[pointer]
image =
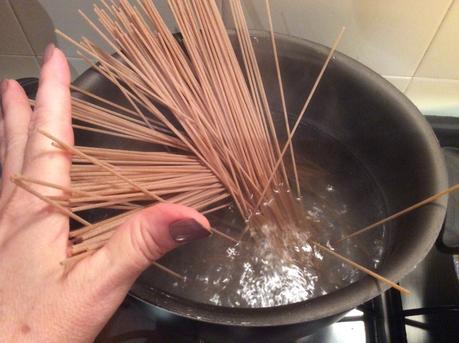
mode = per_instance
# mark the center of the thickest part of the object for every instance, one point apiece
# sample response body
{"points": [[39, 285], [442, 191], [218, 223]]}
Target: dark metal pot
{"points": [[381, 128]]}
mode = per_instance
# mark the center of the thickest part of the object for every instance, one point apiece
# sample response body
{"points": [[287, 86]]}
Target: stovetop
{"points": [[429, 314]]}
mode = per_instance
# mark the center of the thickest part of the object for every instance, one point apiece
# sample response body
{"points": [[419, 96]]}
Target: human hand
{"points": [[39, 300]]}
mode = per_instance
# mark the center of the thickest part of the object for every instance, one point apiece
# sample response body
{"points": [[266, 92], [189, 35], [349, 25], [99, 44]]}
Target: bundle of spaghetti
{"points": [[206, 113], [119, 123], [225, 123], [165, 174]]}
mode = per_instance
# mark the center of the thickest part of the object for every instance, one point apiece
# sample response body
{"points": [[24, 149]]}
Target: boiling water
{"points": [[339, 196]]}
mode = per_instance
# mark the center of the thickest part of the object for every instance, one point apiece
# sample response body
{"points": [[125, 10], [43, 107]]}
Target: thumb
{"points": [[141, 240], [150, 234], [106, 276]]}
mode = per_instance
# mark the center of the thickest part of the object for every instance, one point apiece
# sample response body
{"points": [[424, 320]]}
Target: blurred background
{"points": [[412, 43]]}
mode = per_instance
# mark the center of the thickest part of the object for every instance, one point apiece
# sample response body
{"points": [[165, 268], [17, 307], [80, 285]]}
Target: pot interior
{"points": [[373, 154]]}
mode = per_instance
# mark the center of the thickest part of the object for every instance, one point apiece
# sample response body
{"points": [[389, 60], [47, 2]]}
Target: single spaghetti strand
{"points": [[282, 94], [300, 116], [362, 268], [49, 201], [402, 212]]}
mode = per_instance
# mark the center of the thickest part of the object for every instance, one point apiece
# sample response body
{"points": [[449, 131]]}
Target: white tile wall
{"points": [[388, 36], [16, 67], [401, 82], [413, 43], [28, 26], [77, 66], [36, 22], [435, 96], [12, 39], [67, 19], [56, 14], [442, 59]]}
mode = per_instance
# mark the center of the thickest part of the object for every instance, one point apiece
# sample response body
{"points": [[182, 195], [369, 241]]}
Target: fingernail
{"points": [[48, 52], [187, 230], [4, 86]]}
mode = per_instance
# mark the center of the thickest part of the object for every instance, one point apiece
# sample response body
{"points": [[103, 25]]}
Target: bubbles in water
{"points": [[318, 255], [306, 248], [231, 253], [255, 273], [215, 299], [314, 214], [202, 278], [275, 283], [343, 209]]}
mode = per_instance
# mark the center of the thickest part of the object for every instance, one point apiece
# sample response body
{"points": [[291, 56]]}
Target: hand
{"points": [[39, 300]]}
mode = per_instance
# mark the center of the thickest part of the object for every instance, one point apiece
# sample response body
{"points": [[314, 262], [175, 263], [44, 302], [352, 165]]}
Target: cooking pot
{"points": [[374, 124]]}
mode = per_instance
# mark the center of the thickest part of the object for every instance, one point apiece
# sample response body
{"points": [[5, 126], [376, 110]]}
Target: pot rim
{"points": [[345, 298]]}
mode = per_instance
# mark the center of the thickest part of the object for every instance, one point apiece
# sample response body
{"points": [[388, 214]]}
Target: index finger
{"points": [[52, 114]]}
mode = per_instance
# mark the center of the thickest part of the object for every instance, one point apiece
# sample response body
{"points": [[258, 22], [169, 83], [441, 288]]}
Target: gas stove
{"points": [[429, 314]]}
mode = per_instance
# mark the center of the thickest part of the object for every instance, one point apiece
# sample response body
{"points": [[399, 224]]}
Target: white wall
{"points": [[413, 43]]}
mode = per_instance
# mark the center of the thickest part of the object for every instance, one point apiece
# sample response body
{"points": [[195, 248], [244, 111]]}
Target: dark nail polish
{"points": [[4, 86], [48, 52], [187, 230]]}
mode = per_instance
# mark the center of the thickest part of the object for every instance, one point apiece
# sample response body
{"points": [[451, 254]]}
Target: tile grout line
{"points": [[429, 45], [40, 56], [420, 77], [441, 79], [17, 55], [34, 55], [24, 33]]}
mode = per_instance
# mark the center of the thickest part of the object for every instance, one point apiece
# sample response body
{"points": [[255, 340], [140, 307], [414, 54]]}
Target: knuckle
{"points": [[14, 141], [10, 211], [36, 121], [19, 200], [143, 242]]}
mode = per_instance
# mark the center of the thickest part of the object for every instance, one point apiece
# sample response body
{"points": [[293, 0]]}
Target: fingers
{"points": [[16, 118], [2, 130], [141, 240], [52, 113]]}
